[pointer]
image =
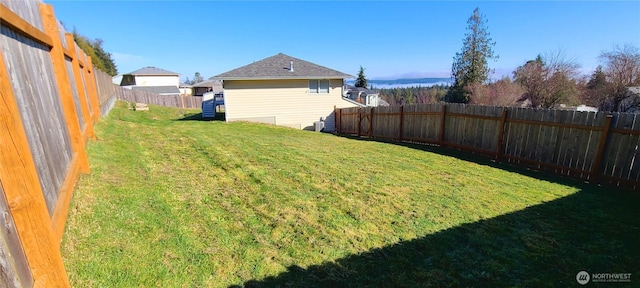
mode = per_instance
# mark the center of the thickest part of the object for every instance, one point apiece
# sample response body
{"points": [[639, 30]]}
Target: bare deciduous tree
{"points": [[503, 92], [549, 80], [622, 71]]}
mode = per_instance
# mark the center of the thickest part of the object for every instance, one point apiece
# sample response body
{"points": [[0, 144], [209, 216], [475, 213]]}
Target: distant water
{"points": [[409, 82]]}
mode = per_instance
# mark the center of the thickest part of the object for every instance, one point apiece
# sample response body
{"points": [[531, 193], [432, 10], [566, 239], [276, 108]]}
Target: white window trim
{"points": [[320, 91]]}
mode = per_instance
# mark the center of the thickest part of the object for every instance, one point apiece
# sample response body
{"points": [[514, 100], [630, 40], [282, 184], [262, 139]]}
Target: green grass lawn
{"points": [[186, 203]]}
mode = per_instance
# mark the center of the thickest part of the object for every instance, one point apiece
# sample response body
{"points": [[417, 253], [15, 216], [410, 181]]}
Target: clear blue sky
{"points": [[389, 39]]}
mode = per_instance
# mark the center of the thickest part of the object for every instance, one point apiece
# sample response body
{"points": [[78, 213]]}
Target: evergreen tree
{"points": [[86, 46], [409, 93], [598, 79], [361, 81], [595, 90], [413, 95], [105, 57], [100, 58], [471, 64]]}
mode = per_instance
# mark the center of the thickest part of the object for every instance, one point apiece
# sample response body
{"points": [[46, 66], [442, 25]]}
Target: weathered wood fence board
{"points": [[26, 10], [596, 147], [14, 268], [621, 161], [76, 97], [139, 96], [106, 92], [41, 111], [50, 101], [83, 84]]}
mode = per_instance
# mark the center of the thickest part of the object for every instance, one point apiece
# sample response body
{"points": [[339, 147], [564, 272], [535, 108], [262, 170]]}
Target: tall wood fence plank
{"points": [[82, 107], [139, 96], [14, 268], [572, 143], [45, 125], [21, 187], [49, 102]]}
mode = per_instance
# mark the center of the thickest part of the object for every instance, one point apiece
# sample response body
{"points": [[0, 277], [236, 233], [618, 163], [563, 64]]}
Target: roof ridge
{"points": [[152, 70], [279, 66]]}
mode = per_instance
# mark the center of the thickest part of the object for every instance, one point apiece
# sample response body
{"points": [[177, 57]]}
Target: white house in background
{"points": [[364, 96], [630, 103], [185, 89], [579, 108], [286, 91], [117, 79], [152, 79]]}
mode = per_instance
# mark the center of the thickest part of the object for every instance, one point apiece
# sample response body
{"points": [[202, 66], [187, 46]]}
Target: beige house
{"points": [[285, 91]]}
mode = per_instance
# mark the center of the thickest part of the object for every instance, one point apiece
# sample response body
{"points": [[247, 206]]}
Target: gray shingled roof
{"points": [[158, 89], [208, 83], [150, 70], [277, 67], [351, 88]]}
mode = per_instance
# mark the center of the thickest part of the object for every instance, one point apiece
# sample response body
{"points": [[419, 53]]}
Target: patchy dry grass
{"points": [[174, 203]]}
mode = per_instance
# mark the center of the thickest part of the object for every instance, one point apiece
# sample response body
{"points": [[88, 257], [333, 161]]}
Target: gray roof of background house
{"points": [[277, 67], [207, 83], [150, 70], [158, 89], [366, 91], [216, 85]]}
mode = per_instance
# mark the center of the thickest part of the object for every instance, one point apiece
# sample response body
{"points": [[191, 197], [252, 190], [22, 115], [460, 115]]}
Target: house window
{"points": [[318, 86]]}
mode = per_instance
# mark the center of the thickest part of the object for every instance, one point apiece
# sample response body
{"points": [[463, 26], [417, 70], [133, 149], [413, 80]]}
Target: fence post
{"points": [[336, 119], [19, 181], [359, 120], [340, 121], [93, 87], [64, 87], [596, 168], [401, 117], [81, 87], [371, 122], [442, 119], [503, 122]]}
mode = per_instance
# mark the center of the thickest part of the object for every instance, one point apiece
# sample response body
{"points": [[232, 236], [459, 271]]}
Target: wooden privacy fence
{"points": [[106, 92], [597, 147], [49, 101], [139, 96]]}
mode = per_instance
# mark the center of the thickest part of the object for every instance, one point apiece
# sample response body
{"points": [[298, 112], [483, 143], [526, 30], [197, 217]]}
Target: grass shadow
{"points": [[541, 246], [483, 159], [220, 116]]}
